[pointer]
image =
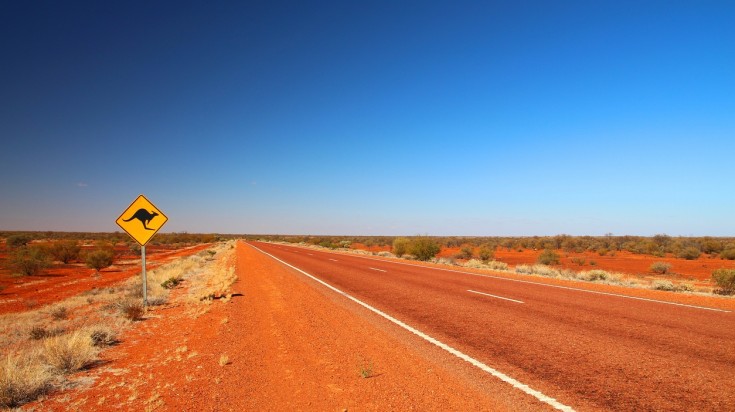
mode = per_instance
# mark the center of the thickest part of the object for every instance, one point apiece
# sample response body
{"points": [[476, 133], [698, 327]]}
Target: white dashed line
{"points": [[334, 260], [494, 296], [379, 270]]}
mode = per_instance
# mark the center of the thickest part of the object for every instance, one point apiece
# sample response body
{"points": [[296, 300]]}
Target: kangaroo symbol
{"points": [[144, 216]]}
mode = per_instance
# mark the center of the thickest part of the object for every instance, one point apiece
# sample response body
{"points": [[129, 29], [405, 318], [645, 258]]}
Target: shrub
{"points": [[689, 253], [400, 246], [728, 254], [423, 248], [16, 241], [474, 263], [65, 251], [102, 336], [660, 267], [132, 309], [579, 261], [69, 353], [663, 285], [22, 379], [725, 280], [100, 259], [524, 269], [495, 265], [594, 275], [29, 261], [465, 252], [486, 252], [171, 282], [135, 248], [543, 270], [548, 257], [39, 332], [60, 313]]}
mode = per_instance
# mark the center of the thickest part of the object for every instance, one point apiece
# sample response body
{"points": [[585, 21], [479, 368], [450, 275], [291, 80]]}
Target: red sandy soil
{"points": [[373, 248], [290, 345], [699, 270], [61, 281]]}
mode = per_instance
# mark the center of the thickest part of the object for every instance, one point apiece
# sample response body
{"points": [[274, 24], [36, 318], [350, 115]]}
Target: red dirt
{"points": [[698, 270], [373, 248], [59, 282], [291, 345]]}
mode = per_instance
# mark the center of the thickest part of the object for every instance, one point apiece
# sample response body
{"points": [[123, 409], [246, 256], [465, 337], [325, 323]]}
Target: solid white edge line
{"points": [[494, 296], [503, 377], [546, 284], [379, 270]]}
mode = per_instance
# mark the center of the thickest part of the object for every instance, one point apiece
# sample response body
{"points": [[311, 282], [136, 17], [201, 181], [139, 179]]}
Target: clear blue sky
{"points": [[370, 118]]}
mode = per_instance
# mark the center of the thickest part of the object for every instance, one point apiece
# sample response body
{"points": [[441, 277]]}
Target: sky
{"points": [[489, 118]]}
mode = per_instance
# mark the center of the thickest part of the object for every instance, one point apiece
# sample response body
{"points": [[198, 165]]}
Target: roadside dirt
{"points": [[18, 294], [281, 343], [698, 271]]}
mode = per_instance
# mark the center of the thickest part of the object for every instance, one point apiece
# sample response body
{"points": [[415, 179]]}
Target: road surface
{"points": [[582, 350]]}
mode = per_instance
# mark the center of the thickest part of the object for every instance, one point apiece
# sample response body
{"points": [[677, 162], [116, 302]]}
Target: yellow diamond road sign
{"points": [[141, 220]]}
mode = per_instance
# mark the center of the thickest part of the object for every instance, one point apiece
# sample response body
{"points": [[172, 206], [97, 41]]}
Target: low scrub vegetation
{"points": [[400, 246], [548, 257], [65, 251], [22, 379], [100, 259], [725, 280], [29, 260], [132, 309], [69, 352], [423, 248], [660, 267], [43, 345]]}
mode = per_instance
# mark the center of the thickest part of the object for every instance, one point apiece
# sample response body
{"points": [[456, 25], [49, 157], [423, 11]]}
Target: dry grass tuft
{"points": [[101, 335], [132, 309], [22, 379], [69, 353]]}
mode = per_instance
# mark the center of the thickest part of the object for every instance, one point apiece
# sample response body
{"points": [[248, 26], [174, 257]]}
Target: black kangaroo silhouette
{"points": [[144, 216]]}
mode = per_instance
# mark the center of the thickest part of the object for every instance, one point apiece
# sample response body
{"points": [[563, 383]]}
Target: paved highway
{"points": [[585, 351]]}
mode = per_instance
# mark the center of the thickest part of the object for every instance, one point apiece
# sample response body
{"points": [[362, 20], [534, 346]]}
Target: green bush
{"points": [[728, 254], [29, 261], [725, 280], [579, 261], [400, 246], [660, 267], [486, 252], [16, 241], [689, 253], [171, 282], [465, 252], [100, 259], [423, 248], [548, 257], [65, 251]]}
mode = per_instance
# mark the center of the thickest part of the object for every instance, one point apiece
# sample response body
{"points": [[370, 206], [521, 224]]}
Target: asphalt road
{"points": [[586, 350]]}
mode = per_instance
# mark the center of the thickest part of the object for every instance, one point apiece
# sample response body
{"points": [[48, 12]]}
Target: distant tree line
{"points": [[658, 245]]}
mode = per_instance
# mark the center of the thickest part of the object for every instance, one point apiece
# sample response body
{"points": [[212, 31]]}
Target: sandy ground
{"points": [[280, 344]]}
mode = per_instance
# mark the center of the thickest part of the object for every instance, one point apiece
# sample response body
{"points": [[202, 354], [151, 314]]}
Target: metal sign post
{"points": [[145, 279], [141, 220]]}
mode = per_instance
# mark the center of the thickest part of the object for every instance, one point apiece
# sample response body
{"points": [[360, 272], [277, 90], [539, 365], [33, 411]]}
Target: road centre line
{"points": [[334, 260], [379, 270], [503, 377], [549, 285], [494, 296]]}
